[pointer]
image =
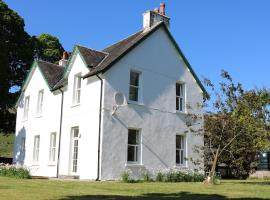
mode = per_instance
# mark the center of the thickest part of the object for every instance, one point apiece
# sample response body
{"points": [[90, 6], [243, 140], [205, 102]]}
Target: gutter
{"points": [[99, 125], [60, 132]]}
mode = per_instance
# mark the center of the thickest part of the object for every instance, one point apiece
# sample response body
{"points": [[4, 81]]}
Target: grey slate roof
{"points": [[52, 73]]}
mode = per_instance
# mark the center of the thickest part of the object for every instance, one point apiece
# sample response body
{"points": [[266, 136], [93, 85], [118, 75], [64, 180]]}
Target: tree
{"points": [[17, 52], [48, 48], [236, 127], [16, 56]]}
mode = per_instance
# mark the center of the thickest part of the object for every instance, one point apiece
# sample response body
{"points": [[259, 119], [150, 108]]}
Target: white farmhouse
{"points": [[99, 113]]}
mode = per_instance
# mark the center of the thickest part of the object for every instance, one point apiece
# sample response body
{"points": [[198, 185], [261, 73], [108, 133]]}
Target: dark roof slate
{"points": [[52, 73]]}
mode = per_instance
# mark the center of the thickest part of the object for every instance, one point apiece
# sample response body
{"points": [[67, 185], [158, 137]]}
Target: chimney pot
{"points": [[63, 61], [162, 9], [65, 55]]}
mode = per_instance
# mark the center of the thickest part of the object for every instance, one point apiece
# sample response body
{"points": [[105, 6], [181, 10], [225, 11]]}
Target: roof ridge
{"points": [[44, 61], [78, 45]]}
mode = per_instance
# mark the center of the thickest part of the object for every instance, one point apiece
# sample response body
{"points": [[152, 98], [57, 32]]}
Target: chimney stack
{"points": [[153, 17], [64, 59], [162, 9]]}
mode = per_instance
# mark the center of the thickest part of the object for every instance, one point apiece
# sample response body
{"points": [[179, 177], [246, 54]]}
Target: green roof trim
{"points": [[27, 80]]}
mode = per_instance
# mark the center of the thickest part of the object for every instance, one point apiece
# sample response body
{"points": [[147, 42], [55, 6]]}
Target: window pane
{"points": [[177, 89], [177, 157], [134, 78], [181, 104], [75, 132], [182, 157], [177, 103], [133, 137], [131, 153], [178, 141], [133, 93]]}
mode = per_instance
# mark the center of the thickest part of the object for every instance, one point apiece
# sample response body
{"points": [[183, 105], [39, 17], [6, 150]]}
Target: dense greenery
{"points": [[6, 145], [171, 175], [14, 171], [109, 190], [237, 127], [18, 50]]}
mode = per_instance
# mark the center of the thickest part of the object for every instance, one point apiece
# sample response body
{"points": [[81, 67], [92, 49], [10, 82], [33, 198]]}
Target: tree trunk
{"points": [[211, 177]]}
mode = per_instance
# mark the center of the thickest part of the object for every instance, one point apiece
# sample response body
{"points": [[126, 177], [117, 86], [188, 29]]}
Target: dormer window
{"points": [[180, 97], [134, 86], [77, 89]]}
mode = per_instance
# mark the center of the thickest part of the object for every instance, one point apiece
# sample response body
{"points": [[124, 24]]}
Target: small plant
{"points": [[160, 177], [125, 176], [146, 176], [14, 171]]}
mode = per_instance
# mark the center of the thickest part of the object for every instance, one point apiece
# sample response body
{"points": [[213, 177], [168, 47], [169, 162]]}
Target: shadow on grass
{"points": [[156, 196]]}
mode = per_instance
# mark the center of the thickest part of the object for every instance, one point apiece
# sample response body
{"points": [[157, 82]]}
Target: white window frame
{"points": [[40, 103], [26, 107], [137, 154], [36, 149], [181, 98], [74, 162], [183, 147], [138, 87], [53, 145], [77, 85]]}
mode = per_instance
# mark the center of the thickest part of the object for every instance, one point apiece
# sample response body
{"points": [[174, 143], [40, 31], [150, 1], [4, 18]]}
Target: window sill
{"points": [[135, 103], [35, 165], [180, 112], [52, 164], [134, 165], [38, 116], [24, 120], [179, 166], [75, 105]]}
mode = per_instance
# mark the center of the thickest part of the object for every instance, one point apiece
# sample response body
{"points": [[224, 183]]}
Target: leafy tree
{"points": [[17, 51], [16, 56], [48, 48], [236, 128]]}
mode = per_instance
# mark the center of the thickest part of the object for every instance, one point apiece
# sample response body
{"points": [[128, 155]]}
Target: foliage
{"points": [[48, 48], [147, 176], [236, 127], [17, 52], [6, 145], [183, 176], [160, 177], [14, 171], [125, 176]]}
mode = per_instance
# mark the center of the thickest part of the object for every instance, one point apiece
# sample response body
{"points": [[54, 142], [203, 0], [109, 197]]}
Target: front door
{"points": [[74, 150]]}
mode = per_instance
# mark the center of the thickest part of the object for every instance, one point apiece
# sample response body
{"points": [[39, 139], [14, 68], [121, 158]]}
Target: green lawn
{"points": [[67, 190], [6, 145]]}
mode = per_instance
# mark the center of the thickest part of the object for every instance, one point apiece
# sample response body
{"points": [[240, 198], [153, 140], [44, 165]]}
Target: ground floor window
{"points": [[52, 147], [36, 148], [74, 149], [180, 149], [133, 150]]}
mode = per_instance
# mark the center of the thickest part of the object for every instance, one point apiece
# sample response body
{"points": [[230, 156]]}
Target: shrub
{"points": [[146, 176], [160, 177], [14, 171], [125, 176]]}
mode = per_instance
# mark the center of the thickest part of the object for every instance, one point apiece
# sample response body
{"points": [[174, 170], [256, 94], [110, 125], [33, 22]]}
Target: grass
{"points": [[82, 190], [6, 145]]}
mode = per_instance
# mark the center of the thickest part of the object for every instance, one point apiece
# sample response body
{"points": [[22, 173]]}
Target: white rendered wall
{"points": [[43, 126], [161, 67], [86, 117]]}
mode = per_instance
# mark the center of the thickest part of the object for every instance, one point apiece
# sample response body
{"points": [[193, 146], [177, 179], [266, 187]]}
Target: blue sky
{"points": [[214, 35]]}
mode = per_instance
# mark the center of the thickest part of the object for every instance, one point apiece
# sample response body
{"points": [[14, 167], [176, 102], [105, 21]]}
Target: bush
{"points": [[146, 176], [14, 171], [160, 177], [125, 176]]}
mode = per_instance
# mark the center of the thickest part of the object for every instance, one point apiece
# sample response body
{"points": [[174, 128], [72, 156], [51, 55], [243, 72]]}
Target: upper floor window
{"points": [[52, 154], [36, 148], [40, 103], [134, 86], [77, 89], [180, 97], [26, 107], [180, 150], [133, 153]]}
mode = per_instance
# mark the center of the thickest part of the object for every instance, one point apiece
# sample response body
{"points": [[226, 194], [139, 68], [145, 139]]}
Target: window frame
{"points": [[138, 146], [137, 87], [26, 108], [76, 97], [181, 98], [40, 103], [183, 149], [36, 149], [53, 148]]}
